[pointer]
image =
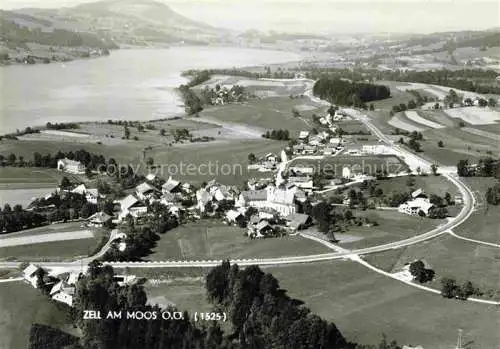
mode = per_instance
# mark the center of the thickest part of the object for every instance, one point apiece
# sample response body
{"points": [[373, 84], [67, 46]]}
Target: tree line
{"points": [[279, 135]]}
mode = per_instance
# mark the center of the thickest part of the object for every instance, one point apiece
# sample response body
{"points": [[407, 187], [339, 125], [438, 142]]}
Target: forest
{"points": [[344, 92]]}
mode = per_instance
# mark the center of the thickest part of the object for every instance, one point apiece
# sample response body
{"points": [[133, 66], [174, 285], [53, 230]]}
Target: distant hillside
{"points": [[18, 30], [136, 22]]}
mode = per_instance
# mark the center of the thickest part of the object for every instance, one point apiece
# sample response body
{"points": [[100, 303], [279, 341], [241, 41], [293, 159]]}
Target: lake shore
{"points": [[129, 84]]}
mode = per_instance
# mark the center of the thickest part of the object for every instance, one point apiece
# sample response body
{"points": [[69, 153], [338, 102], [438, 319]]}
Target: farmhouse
{"points": [[31, 274], [91, 195], [145, 191], [70, 166], [131, 205], [416, 206], [98, 219], [260, 230], [62, 292], [304, 136]]}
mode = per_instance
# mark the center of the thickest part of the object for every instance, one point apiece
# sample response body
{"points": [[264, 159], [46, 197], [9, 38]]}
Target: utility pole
{"points": [[459, 340]]}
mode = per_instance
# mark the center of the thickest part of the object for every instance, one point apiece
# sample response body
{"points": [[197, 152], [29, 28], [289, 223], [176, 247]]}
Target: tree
{"points": [[482, 102], [449, 287], [150, 161], [492, 103], [420, 273], [140, 128], [434, 169], [163, 132], [252, 158], [126, 132], [440, 144], [65, 183], [372, 107]]}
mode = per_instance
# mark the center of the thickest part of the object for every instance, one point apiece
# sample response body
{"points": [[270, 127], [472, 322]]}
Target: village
{"points": [[281, 204]]}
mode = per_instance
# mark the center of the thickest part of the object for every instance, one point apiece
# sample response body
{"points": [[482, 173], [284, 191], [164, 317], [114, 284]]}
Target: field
{"points": [[54, 250], [483, 224], [475, 115], [430, 184], [268, 114], [451, 257], [363, 305], [27, 177], [393, 226], [22, 306], [214, 240], [368, 164]]}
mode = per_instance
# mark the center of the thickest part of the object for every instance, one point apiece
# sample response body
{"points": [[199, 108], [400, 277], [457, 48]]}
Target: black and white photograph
{"points": [[249, 174]]}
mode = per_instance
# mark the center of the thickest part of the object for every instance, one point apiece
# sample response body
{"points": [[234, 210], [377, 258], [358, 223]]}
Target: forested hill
{"points": [[343, 92]]}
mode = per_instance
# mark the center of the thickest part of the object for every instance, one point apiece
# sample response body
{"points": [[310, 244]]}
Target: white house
{"points": [[302, 170], [30, 274], [413, 207], [145, 191], [375, 149], [70, 166], [98, 219], [91, 195], [131, 205], [62, 293], [304, 136]]}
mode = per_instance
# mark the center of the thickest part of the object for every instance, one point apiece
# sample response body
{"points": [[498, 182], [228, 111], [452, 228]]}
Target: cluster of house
{"points": [[418, 204], [320, 143], [63, 286], [272, 209]]}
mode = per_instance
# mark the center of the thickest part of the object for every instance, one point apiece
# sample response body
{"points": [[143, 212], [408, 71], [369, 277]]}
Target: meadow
{"points": [[22, 305], [209, 239]]}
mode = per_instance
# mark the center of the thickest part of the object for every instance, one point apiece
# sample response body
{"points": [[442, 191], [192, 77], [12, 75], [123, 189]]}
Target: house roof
{"points": [[255, 195], [420, 203], [262, 225], [30, 270], [297, 219], [128, 202], [73, 278], [144, 188], [150, 176], [170, 185], [417, 193], [100, 217], [56, 288], [68, 162], [233, 214], [80, 189], [304, 134], [93, 192]]}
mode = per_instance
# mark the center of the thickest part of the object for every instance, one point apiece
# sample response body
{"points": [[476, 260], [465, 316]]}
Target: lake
{"points": [[136, 84]]}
